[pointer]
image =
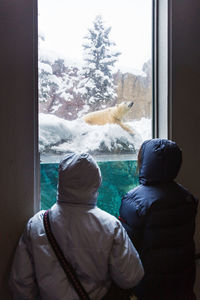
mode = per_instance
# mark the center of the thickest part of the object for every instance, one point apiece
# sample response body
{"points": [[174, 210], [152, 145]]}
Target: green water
{"points": [[118, 177]]}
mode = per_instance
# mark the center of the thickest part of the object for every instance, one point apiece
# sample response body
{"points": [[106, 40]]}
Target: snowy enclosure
{"points": [[70, 89], [59, 136]]}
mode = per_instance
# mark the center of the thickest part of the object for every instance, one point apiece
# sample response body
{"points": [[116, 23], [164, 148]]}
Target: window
{"points": [[94, 57]]}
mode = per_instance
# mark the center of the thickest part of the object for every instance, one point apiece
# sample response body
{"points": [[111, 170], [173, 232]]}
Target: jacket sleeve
{"points": [[131, 220], [125, 266], [22, 279]]}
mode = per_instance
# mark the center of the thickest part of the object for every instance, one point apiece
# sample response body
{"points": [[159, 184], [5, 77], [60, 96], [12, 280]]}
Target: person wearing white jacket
{"points": [[94, 242]]}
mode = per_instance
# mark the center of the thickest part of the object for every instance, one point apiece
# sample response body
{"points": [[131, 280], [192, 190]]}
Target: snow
{"points": [[143, 127], [45, 68], [83, 111], [130, 70], [55, 107], [58, 136], [50, 56], [54, 79]]}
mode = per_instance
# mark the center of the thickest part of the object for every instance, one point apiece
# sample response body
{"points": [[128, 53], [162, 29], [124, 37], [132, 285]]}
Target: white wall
{"points": [[18, 114]]}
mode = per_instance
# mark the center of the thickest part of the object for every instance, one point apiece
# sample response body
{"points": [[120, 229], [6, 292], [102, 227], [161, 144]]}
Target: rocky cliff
{"points": [[137, 88]]}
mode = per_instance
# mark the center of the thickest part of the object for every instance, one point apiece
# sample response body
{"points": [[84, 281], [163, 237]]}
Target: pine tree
{"points": [[97, 85]]}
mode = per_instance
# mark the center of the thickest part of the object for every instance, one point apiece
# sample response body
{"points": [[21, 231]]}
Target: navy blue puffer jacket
{"points": [[159, 216]]}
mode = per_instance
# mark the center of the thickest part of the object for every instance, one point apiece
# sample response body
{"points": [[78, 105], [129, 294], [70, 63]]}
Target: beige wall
{"points": [[19, 113]]}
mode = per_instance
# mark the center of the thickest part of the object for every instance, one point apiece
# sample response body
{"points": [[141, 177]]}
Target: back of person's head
{"points": [[159, 160], [79, 178]]}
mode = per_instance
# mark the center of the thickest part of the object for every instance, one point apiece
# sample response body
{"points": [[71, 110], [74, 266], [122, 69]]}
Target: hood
{"points": [[160, 161], [79, 178]]}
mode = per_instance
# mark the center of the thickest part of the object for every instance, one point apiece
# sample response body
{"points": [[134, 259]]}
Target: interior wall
{"points": [[18, 113], [18, 118], [184, 103]]}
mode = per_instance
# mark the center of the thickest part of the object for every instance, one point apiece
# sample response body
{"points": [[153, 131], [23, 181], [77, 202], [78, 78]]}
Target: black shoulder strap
{"points": [[67, 267]]}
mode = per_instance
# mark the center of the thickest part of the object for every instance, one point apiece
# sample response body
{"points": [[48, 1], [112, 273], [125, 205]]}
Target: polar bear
{"points": [[110, 115]]}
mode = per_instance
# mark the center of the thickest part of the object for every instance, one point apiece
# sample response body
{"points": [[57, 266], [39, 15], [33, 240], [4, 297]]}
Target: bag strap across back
{"points": [[67, 267]]}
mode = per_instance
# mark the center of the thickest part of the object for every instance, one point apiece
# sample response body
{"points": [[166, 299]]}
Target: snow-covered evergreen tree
{"points": [[97, 84], [48, 84], [58, 80]]}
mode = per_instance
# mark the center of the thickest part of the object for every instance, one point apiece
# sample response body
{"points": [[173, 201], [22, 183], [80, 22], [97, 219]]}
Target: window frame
{"points": [[161, 66]]}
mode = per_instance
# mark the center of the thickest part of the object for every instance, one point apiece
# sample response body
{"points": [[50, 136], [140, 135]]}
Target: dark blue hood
{"points": [[160, 161]]}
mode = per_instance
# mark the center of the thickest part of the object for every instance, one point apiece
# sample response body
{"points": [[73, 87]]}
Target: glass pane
{"points": [[95, 89]]}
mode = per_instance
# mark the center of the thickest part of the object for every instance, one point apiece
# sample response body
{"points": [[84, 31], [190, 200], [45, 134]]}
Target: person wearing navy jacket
{"points": [[159, 217]]}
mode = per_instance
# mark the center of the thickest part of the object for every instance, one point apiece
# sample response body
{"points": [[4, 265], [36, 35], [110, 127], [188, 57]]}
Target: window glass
{"points": [[95, 89]]}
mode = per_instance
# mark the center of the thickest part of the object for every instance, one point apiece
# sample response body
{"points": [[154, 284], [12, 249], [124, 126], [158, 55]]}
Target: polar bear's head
{"points": [[122, 108]]}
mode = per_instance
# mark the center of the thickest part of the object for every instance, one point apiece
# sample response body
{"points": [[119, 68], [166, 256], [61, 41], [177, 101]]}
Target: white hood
{"points": [[79, 179]]}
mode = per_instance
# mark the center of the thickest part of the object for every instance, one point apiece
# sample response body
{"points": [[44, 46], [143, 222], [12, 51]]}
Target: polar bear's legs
{"points": [[125, 127]]}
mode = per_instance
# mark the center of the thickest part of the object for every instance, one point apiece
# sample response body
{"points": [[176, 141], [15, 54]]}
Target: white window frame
{"points": [[161, 65]]}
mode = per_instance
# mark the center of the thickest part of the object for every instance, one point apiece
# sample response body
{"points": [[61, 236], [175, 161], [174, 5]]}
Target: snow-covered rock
{"points": [[59, 136]]}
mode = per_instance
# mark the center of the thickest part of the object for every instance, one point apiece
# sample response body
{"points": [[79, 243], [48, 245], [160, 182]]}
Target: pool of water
{"points": [[118, 177]]}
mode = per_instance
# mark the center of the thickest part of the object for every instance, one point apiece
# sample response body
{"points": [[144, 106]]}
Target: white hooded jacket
{"points": [[93, 241]]}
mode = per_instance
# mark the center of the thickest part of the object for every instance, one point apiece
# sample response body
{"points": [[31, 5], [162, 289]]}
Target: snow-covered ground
{"points": [[58, 136]]}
